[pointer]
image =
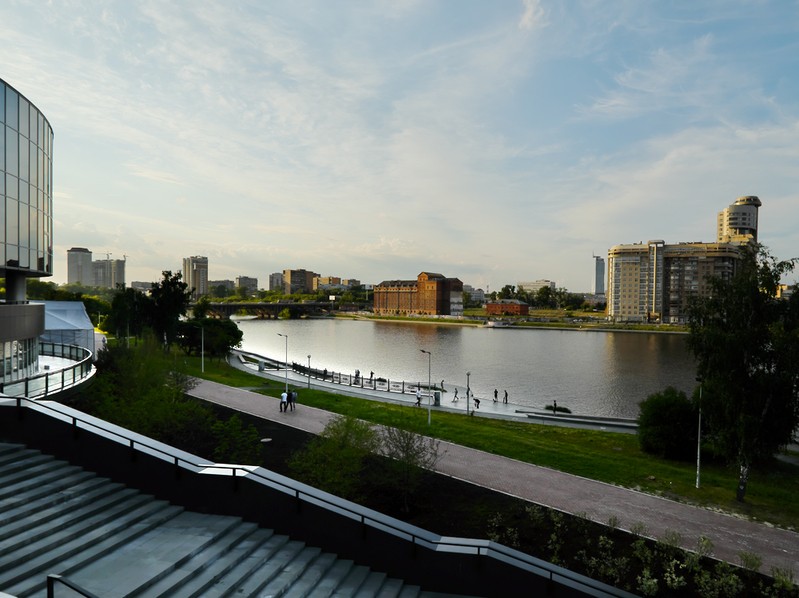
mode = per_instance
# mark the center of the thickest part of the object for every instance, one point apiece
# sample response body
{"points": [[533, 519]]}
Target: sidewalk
{"points": [[572, 494]]}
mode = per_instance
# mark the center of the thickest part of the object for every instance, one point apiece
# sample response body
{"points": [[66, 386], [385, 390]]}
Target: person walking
{"points": [[418, 397], [455, 398], [505, 398], [284, 401], [496, 395]]}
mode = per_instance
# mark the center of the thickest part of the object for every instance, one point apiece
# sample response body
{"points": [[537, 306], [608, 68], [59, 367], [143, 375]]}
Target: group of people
{"points": [[476, 400], [288, 400], [496, 396], [469, 395]]}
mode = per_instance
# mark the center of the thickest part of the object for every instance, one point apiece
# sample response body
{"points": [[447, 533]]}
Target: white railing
{"points": [[50, 382]]}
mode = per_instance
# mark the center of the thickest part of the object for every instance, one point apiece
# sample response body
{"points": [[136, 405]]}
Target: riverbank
{"points": [[521, 323]]}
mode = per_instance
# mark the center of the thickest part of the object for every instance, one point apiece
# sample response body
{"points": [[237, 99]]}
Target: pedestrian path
{"points": [[598, 501], [453, 400]]}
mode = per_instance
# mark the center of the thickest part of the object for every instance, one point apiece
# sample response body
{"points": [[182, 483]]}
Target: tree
{"points": [[333, 461], [507, 292], [411, 454], [666, 425], [129, 312], [746, 342], [217, 337], [544, 297], [170, 300]]}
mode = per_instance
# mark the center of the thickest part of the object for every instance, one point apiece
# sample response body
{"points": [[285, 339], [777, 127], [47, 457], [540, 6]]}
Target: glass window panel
{"points": [[33, 154], [12, 151], [23, 158], [2, 147], [40, 129], [12, 221], [12, 186], [33, 129], [24, 109], [2, 106], [24, 232], [23, 194], [41, 171], [12, 101]]}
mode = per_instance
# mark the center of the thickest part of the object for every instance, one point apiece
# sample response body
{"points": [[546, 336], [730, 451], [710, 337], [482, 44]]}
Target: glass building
{"points": [[26, 225]]}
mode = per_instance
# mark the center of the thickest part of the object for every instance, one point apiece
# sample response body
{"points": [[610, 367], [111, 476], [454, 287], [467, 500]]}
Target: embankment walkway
{"points": [[598, 501]]}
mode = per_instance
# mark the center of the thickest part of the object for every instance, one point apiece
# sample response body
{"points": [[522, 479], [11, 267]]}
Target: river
{"points": [[590, 372]]}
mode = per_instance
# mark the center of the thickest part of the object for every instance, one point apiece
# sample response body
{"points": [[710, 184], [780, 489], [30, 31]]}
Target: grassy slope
{"points": [[773, 495]]}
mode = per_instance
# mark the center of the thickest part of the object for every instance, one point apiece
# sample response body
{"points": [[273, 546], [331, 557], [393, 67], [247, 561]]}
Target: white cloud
{"points": [[378, 141], [534, 15]]}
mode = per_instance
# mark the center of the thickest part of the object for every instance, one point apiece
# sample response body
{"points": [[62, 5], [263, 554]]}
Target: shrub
{"points": [[667, 425]]}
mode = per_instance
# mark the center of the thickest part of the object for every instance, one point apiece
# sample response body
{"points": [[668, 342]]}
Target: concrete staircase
{"points": [[115, 541]]}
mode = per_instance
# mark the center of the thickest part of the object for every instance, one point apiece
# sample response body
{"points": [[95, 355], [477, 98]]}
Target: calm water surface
{"points": [[593, 373]]}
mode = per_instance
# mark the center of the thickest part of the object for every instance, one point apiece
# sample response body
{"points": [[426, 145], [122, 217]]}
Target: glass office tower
{"points": [[26, 226]]}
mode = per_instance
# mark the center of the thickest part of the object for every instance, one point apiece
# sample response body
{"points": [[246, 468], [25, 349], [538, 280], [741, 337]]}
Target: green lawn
{"points": [[614, 458]]}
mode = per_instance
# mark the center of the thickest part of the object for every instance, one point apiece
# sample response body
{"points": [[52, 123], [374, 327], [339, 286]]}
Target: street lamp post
{"points": [[286, 336], [309, 371], [468, 392], [699, 434], [202, 348], [429, 382]]}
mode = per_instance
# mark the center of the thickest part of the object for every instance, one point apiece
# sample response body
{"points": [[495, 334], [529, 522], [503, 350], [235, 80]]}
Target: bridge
{"points": [[269, 310]]}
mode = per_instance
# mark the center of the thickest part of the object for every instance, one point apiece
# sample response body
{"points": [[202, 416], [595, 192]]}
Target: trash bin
{"points": [[437, 398]]}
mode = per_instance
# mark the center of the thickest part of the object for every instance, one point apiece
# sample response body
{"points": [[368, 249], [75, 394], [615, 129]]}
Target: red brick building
{"points": [[507, 307], [430, 294]]}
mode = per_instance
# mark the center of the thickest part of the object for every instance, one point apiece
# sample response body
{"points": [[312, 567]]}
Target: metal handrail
{"points": [[340, 506], [54, 381], [340, 378], [54, 579]]}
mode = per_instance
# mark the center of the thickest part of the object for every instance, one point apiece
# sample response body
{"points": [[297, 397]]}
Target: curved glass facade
{"points": [[26, 186], [26, 228]]}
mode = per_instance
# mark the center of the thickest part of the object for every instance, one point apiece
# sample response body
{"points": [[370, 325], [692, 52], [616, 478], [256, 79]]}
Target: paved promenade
{"points": [[572, 494]]}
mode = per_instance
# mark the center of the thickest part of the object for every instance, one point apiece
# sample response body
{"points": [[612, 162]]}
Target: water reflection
{"points": [[596, 373]]}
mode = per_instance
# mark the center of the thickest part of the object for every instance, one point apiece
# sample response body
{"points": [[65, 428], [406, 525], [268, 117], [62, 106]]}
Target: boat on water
{"points": [[497, 324]]}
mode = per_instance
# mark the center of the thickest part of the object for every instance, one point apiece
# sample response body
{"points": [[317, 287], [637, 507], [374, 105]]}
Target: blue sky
{"points": [[494, 141]]}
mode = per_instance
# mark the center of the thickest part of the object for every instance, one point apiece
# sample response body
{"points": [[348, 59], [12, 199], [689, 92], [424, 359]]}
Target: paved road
{"points": [[572, 494]]}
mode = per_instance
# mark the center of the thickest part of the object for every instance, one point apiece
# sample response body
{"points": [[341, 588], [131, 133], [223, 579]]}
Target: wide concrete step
{"points": [[115, 541]]}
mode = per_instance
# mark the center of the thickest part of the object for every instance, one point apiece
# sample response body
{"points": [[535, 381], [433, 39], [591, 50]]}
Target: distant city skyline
{"points": [[494, 141]]}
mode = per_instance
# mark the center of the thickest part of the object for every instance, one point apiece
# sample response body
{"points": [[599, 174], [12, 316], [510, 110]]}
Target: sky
{"points": [[495, 141]]}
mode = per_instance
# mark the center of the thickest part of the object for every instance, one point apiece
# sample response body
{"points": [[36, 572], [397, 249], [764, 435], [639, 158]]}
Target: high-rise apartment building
{"points": [[26, 242], [654, 282], [598, 284], [737, 223], [195, 275], [298, 281], [108, 274], [276, 281], [248, 283], [79, 266]]}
